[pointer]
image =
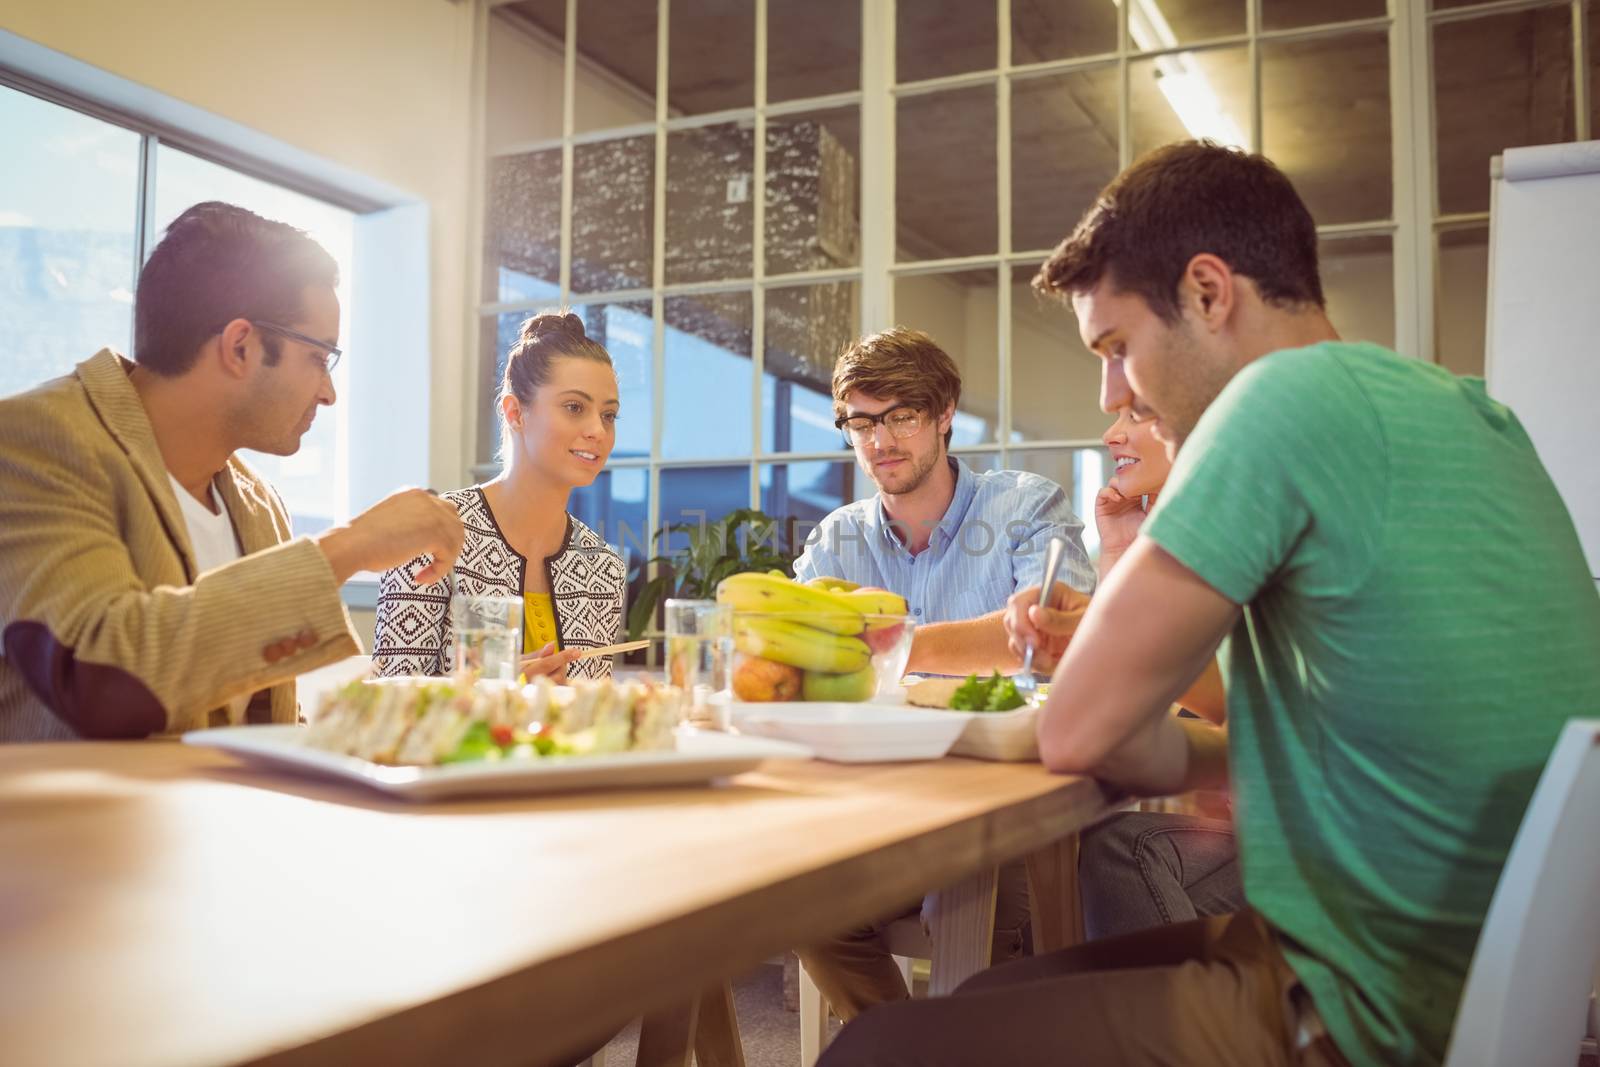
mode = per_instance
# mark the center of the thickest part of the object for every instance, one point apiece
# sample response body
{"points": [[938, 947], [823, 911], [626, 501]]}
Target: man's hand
{"points": [[1118, 519], [398, 528], [1047, 627]]}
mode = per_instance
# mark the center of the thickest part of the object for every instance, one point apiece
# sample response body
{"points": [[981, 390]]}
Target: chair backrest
{"points": [[1528, 987]]}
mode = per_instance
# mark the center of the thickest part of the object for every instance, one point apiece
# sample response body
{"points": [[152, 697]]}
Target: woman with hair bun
{"points": [[558, 422]]}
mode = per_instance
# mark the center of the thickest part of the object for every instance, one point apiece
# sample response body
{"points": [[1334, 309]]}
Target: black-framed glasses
{"points": [[903, 421], [334, 353]]}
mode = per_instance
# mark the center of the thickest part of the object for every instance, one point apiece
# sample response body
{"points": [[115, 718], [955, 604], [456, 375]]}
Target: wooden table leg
{"points": [[666, 1037], [716, 1038], [961, 922], [1053, 896]]}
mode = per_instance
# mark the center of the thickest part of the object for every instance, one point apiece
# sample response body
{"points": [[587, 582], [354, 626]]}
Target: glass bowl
{"points": [[817, 656]]}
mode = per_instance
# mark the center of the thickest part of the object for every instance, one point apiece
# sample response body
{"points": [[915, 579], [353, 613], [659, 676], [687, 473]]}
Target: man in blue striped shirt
{"points": [[956, 543]]}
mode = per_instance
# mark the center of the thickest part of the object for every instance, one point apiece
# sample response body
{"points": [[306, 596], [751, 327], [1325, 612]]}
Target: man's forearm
{"points": [[1170, 755], [966, 647]]}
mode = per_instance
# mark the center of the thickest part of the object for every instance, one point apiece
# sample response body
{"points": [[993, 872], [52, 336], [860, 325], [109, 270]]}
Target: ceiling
{"points": [[1500, 81]]}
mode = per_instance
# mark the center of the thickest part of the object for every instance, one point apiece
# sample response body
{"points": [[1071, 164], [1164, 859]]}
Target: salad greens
{"points": [[995, 693]]}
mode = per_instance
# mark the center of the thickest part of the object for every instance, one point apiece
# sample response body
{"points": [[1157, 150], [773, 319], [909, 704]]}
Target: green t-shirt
{"points": [[1419, 623]]}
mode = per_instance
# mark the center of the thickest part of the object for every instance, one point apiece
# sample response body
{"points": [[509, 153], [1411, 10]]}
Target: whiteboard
{"points": [[1542, 345]]}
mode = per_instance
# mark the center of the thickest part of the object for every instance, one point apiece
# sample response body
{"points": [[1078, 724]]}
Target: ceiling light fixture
{"points": [[1180, 79]]}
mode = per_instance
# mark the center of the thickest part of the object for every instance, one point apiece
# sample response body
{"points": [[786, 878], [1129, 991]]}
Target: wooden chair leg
{"points": [[1053, 896], [716, 1035], [667, 1037], [813, 1020], [962, 926]]}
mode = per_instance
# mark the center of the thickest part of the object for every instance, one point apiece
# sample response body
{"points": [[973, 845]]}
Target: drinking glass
{"points": [[700, 654], [488, 635]]}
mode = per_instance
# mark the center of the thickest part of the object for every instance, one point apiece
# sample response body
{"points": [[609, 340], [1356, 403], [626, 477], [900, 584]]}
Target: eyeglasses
{"points": [[330, 361], [902, 422]]}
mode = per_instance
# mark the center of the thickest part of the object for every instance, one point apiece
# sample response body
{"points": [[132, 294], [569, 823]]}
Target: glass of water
{"points": [[488, 635], [700, 654]]}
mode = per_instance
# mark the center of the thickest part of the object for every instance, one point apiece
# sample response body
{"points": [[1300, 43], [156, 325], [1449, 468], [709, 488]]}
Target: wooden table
{"points": [[165, 905]]}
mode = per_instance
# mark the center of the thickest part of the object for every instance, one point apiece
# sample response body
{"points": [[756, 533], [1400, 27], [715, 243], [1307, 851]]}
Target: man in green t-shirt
{"points": [[1404, 620]]}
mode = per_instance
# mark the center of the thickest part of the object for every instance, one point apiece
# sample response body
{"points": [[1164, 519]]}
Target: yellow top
{"points": [[539, 622]]}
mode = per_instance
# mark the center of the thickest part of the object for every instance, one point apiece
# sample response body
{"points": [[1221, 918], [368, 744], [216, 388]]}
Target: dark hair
{"points": [[902, 363], [218, 263], [544, 338], [1179, 201]]}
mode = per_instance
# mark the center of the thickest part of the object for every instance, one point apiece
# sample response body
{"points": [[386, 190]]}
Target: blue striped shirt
{"points": [[990, 543]]}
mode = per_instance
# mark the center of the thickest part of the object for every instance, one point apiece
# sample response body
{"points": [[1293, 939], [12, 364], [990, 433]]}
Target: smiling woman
{"points": [[559, 406]]}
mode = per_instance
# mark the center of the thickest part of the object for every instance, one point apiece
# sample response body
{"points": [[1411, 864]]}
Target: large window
{"points": [[758, 181], [81, 199]]}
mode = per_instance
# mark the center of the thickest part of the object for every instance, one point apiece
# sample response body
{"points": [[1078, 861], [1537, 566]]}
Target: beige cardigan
{"points": [[105, 628]]}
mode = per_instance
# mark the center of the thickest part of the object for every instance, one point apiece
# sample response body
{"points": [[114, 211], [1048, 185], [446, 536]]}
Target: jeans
{"points": [[1142, 869]]}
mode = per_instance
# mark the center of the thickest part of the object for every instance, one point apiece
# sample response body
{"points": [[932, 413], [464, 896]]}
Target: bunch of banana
{"points": [[815, 639]]}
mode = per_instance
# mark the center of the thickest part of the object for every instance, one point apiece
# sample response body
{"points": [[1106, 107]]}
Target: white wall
{"points": [[382, 87]]}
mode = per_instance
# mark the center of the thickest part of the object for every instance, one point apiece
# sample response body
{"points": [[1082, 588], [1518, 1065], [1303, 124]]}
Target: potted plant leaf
{"points": [[740, 541]]}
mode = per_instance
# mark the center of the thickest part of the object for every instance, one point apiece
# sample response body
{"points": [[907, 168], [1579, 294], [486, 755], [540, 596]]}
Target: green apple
{"points": [[852, 688]]}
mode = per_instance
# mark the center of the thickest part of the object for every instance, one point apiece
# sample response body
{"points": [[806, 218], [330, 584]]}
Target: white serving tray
{"points": [[1007, 736], [869, 732], [699, 757]]}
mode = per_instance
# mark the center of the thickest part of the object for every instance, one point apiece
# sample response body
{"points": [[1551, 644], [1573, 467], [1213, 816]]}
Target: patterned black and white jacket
{"points": [[587, 580]]}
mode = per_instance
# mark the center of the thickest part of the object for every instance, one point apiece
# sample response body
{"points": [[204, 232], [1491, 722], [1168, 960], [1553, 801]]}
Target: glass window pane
{"points": [[615, 83], [1041, 32], [1188, 95], [1081, 473], [712, 65], [1291, 14], [626, 332], [813, 214], [613, 192], [1157, 24], [1358, 285], [934, 40], [807, 326], [800, 495], [522, 234], [978, 461], [68, 197], [617, 507], [960, 311], [1462, 314], [707, 380], [696, 494], [813, 48], [1500, 82], [525, 70], [1063, 152], [1326, 123], [945, 174], [314, 481], [710, 217], [1055, 381]]}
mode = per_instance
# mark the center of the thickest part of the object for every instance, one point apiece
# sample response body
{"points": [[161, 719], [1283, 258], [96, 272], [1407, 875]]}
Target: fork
{"points": [[1027, 685]]}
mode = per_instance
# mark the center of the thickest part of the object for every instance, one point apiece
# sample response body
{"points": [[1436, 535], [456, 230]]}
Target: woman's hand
{"points": [[548, 662], [1048, 627], [1118, 519]]}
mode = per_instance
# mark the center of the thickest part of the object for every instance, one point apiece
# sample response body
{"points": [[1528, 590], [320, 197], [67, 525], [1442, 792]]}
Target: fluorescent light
{"points": [[1178, 77], [1196, 103]]}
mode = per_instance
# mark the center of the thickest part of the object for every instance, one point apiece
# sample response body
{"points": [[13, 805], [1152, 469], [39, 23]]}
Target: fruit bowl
{"points": [[802, 656], [830, 643]]}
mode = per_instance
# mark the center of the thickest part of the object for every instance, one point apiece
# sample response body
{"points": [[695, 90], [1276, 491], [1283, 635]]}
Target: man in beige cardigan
{"points": [[148, 580]]}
